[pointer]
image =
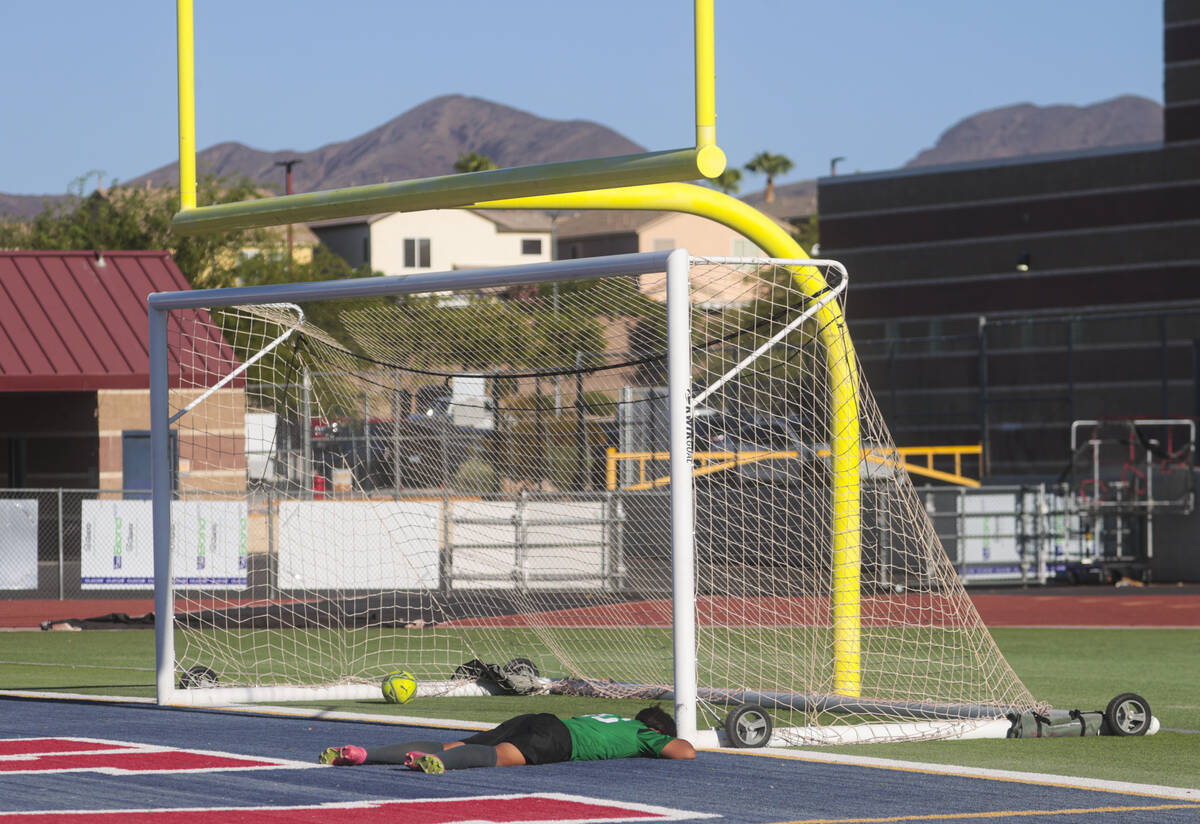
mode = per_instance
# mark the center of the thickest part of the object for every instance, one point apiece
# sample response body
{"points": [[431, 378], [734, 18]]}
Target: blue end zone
{"points": [[741, 788]]}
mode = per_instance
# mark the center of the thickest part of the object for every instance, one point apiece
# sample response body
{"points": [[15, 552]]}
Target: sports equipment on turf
{"points": [[399, 687], [587, 465]]}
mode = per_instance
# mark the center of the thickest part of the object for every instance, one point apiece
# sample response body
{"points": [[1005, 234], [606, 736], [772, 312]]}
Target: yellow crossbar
{"points": [[709, 463]]}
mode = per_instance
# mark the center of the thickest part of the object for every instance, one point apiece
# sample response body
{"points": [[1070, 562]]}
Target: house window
{"points": [[531, 246], [664, 244], [366, 250], [416, 253]]}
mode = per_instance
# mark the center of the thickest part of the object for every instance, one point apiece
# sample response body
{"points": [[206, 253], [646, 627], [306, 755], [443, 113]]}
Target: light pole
{"points": [[833, 162], [287, 166]]}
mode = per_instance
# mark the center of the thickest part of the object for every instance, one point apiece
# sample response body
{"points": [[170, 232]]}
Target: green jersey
{"points": [[597, 737]]}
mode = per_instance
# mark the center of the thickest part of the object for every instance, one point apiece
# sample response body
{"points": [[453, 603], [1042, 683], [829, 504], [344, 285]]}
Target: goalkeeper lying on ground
{"points": [[539, 738]]}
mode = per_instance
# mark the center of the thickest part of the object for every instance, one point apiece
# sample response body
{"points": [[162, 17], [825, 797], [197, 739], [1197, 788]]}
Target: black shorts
{"points": [[541, 737]]}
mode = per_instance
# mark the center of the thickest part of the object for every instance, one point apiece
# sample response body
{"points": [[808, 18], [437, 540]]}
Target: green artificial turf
{"points": [[1069, 668]]}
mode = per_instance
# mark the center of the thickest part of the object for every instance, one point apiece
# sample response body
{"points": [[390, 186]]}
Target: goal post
{"points": [[643, 476], [704, 160], [674, 264]]}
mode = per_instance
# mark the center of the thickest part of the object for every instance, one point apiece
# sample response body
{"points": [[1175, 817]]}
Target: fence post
{"points": [[984, 439], [61, 560]]}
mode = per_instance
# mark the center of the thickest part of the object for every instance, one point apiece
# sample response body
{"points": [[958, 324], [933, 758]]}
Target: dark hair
{"points": [[657, 719]]}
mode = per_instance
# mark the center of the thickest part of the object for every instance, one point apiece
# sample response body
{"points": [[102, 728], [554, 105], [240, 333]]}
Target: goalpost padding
{"points": [[817, 585]]}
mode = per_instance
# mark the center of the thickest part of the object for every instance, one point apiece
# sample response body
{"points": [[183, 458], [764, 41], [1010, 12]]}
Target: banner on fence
{"points": [[358, 544], [990, 549], [208, 540], [18, 544]]}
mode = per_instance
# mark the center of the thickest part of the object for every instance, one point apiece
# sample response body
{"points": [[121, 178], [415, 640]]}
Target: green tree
{"points": [[138, 217], [728, 181], [771, 165], [808, 232], [474, 162]]}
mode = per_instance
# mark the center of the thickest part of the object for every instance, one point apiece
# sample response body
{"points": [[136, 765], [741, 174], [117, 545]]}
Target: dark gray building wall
{"points": [[1084, 268], [1181, 82]]}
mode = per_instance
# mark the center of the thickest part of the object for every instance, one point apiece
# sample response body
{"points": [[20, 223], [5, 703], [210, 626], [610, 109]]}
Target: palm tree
{"points": [[474, 162], [728, 181], [770, 165]]}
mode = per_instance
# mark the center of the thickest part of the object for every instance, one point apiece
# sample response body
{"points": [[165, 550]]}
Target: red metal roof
{"points": [[77, 321]]}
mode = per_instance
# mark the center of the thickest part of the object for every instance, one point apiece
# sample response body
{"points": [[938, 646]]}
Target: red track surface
{"points": [[1165, 606], [526, 809], [1157, 606]]}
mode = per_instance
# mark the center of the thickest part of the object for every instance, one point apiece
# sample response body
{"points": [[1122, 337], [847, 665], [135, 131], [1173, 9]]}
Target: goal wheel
{"points": [[197, 677], [748, 726], [1127, 714]]}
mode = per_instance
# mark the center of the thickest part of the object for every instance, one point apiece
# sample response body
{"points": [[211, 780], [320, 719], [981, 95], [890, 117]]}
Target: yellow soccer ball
{"points": [[399, 687]]}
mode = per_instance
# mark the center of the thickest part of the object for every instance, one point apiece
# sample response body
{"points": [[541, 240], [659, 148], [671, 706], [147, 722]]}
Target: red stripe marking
{"points": [[31, 746], [421, 811], [132, 761]]}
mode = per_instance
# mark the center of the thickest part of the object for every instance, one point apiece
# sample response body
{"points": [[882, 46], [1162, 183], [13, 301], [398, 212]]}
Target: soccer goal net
{"points": [[645, 476]]}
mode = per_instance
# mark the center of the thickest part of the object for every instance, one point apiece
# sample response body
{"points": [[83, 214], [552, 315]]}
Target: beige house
{"points": [[619, 232], [408, 243]]}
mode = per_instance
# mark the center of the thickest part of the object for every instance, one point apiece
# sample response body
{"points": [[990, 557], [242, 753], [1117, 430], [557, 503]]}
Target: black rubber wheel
{"points": [[521, 666], [197, 677], [1127, 714], [748, 726]]}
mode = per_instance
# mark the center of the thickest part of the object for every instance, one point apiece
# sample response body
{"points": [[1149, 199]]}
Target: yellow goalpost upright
{"points": [[608, 183], [657, 181]]}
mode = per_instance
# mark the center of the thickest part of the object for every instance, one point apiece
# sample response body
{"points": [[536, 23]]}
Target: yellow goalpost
{"points": [[648, 181]]}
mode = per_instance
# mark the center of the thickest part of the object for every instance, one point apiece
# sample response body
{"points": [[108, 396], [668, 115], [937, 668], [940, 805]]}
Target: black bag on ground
{"points": [[1057, 724], [518, 677]]}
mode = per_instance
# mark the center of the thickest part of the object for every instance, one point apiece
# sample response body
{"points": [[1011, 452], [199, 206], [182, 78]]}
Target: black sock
{"points": [[468, 755], [395, 753]]}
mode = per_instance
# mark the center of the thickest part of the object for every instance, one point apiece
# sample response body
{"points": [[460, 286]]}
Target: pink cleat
{"points": [[347, 756], [410, 760]]}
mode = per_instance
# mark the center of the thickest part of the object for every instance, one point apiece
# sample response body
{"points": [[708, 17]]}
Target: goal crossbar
{"points": [[704, 160]]}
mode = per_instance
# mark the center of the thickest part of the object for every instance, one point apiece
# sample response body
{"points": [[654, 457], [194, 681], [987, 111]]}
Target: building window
{"points": [[366, 250], [416, 253], [664, 244], [531, 246]]}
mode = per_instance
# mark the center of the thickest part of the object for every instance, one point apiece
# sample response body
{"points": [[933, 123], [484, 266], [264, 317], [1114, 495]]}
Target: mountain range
{"points": [[426, 140], [1022, 130]]}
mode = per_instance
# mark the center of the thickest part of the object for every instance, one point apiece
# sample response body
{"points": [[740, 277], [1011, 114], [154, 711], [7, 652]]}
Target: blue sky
{"points": [[91, 86]]}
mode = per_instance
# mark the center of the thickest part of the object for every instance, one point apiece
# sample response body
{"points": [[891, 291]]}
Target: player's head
{"points": [[658, 719]]}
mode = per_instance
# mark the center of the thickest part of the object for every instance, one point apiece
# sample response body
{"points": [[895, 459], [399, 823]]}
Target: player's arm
{"points": [[678, 748]]}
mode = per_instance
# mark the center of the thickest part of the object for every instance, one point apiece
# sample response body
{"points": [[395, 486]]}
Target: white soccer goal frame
{"points": [[675, 263]]}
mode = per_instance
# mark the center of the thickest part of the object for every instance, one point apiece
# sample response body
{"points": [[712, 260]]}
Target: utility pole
{"points": [[287, 166]]}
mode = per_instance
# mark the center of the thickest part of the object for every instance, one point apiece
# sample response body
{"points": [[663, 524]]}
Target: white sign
{"points": [[358, 544], [209, 547], [561, 545], [18, 544], [989, 549], [208, 544]]}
